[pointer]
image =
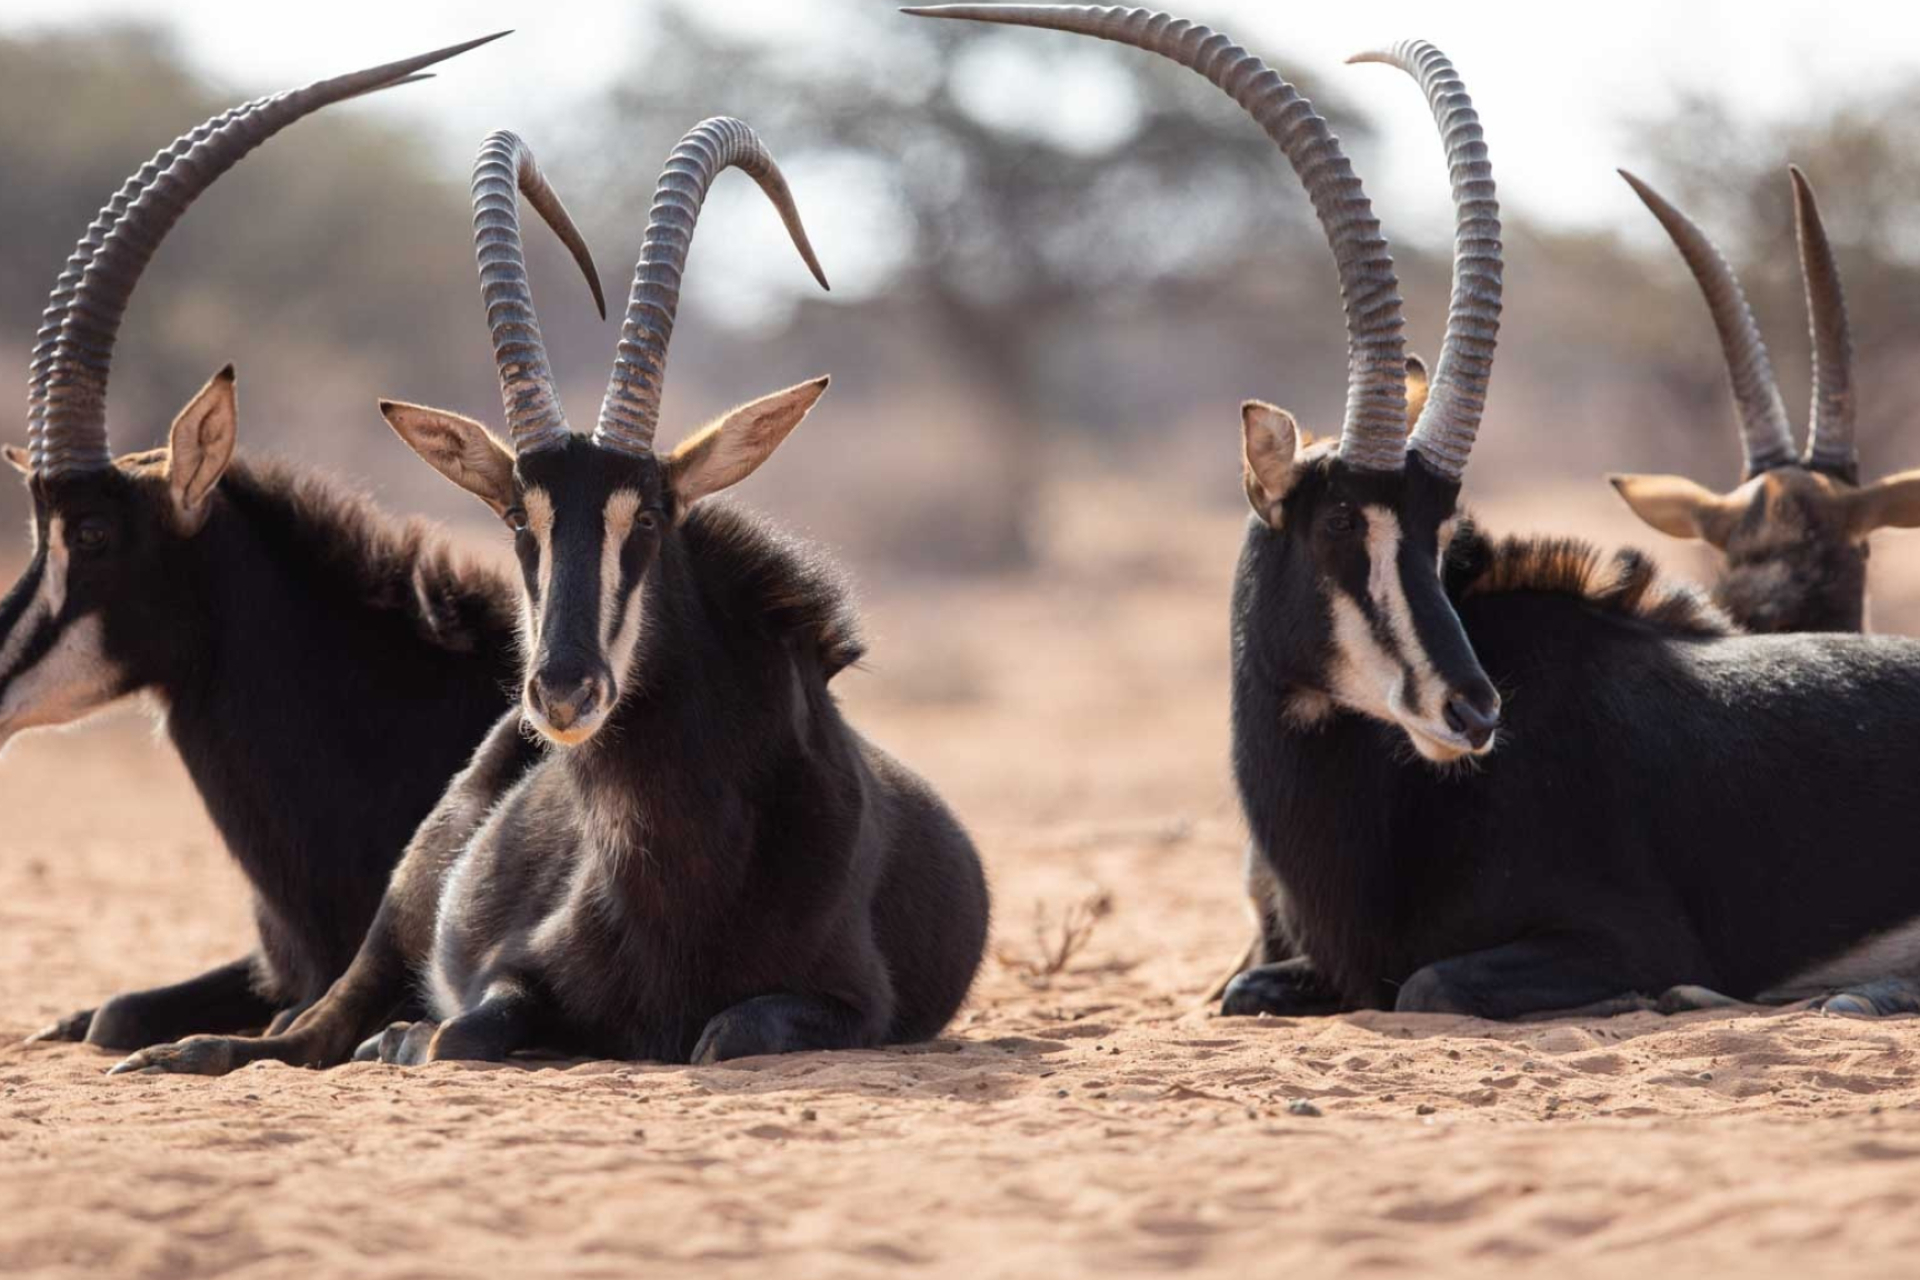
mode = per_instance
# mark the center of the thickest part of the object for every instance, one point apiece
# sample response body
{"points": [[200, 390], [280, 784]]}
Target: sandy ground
{"points": [[1084, 1121]]}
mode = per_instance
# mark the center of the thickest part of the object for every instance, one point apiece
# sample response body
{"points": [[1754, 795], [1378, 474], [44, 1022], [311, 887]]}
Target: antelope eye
{"points": [[1340, 522], [647, 521], [92, 536], [516, 520]]}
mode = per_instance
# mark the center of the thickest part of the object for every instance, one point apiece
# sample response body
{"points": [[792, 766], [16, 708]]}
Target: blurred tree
{"points": [[1045, 189]]}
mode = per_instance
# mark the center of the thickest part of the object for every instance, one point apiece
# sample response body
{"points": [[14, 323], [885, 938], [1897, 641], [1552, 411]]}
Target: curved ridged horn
{"points": [[1765, 437], [47, 338], [630, 413], [1458, 391], [73, 388], [506, 165], [1830, 446], [1374, 434]]}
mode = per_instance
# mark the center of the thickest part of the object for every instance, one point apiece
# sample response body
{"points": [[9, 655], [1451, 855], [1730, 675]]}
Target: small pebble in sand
{"points": [[1301, 1107], [1424, 1109]]}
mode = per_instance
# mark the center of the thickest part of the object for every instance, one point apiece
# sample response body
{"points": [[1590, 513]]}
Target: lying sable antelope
{"points": [[1597, 856], [711, 862], [303, 647], [1794, 533]]}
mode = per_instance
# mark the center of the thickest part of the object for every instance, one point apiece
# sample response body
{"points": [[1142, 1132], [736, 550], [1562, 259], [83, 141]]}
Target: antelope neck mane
{"points": [[1626, 583], [369, 559]]}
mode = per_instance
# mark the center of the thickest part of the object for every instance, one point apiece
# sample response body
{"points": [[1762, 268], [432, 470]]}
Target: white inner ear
{"points": [[1269, 441]]}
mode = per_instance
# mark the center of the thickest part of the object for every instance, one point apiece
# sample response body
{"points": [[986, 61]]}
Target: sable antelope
{"points": [[710, 862], [322, 669], [1679, 804], [1794, 533]]}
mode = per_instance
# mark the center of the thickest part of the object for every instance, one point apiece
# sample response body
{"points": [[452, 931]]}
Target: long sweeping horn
{"points": [[73, 430], [1374, 435], [47, 338], [630, 413], [1830, 446], [1766, 439], [1457, 397], [505, 166]]}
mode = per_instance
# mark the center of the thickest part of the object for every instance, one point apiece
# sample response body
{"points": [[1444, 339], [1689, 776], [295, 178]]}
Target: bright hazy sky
{"points": [[1551, 89]]}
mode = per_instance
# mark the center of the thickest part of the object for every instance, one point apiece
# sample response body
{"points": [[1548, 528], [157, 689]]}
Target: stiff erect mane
{"points": [[369, 559], [794, 588], [1626, 583]]}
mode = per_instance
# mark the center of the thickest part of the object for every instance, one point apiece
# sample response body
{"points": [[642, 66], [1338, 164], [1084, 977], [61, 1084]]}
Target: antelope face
{"points": [[1794, 538], [1355, 614], [587, 528], [89, 620], [590, 523]]}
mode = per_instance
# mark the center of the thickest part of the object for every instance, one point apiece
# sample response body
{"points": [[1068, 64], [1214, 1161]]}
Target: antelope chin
{"points": [[1434, 741], [571, 736]]}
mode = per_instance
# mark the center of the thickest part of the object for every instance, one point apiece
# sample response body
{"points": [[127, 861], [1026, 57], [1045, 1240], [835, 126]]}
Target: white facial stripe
{"points": [[1364, 675], [622, 633], [622, 507], [53, 587], [1390, 597], [72, 679], [539, 508], [49, 597]]}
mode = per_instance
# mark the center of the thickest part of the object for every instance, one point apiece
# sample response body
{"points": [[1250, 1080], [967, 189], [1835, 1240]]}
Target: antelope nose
{"points": [[568, 701], [1475, 723]]}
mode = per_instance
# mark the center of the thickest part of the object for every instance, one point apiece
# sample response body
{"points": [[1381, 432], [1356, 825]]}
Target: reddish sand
{"points": [[1085, 1121]]}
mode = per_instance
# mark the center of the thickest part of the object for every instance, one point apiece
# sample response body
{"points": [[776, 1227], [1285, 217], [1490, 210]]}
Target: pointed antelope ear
{"points": [[17, 455], [1892, 503], [199, 447], [458, 448], [730, 449], [1677, 506], [1269, 439], [1417, 383]]}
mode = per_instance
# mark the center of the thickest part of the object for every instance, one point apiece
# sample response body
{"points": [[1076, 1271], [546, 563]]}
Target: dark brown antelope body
{"points": [[1505, 778], [708, 861], [322, 668]]}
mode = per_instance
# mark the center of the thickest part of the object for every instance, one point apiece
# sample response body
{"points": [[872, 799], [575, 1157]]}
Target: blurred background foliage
{"points": [[1017, 301]]}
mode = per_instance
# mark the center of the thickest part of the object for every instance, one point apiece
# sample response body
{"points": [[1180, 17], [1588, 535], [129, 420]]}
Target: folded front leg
{"points": [[1538, 975], [220, 1000], [503, 1021], [363, 998], [783, 1024]]}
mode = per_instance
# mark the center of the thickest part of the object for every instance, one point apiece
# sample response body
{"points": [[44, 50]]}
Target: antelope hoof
{"points": [[69, 1030], [1882, 999], [284, 1020], [199, 1056], [402, 1044], [1286, 989]]}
